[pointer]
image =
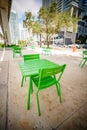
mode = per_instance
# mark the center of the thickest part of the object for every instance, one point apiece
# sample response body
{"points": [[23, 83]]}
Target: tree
{"points": [[47, 15], [54, 21], [31, 24], [49, 23], [28, 22], [82, 39]]}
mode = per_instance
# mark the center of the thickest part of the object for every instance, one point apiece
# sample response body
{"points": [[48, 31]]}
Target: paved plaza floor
{"points": [[70, 115]]}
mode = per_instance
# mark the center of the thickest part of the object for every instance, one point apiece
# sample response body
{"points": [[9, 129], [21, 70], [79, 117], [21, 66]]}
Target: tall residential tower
{"points": [[14, 27]]}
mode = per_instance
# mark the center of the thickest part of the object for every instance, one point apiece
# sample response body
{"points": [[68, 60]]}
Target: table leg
{"points": [[30, 89]]}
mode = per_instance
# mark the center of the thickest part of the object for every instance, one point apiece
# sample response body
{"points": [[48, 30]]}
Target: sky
{"points": [[21, 6]]}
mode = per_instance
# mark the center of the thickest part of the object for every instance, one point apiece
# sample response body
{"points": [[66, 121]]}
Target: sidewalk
{"points": [[71, 114], [60, 51]]}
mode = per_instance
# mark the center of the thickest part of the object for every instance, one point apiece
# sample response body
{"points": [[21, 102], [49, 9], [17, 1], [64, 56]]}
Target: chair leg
{"points": [[83, 63], [38, 105], [29, 92], [22, 81], [59, 91], [60, 94], [31, 89]]}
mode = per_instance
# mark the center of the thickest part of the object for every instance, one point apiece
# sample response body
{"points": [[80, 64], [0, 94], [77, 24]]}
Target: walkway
{"points": [[71, 114], [59, 51]]}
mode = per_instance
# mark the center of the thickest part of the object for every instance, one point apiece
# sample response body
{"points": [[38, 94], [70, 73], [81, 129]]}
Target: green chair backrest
{"points": [[16, 48], [46, 72], [46, 50], [84, 53], [31, 56]]}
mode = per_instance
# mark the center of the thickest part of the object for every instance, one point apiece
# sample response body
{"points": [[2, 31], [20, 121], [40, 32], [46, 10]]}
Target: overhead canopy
{"points": [[5, 7]]}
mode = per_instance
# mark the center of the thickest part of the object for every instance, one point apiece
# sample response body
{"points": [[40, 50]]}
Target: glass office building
{"points": [[76, 7], [46, 3], [14, 27]]}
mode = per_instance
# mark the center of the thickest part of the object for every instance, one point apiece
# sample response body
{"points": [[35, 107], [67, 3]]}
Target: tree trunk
{"points": [[47, 39], [40, 41], [47, 42]]}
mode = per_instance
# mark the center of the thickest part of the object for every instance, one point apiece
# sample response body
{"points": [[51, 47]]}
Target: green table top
{"points": [[31, 67]]}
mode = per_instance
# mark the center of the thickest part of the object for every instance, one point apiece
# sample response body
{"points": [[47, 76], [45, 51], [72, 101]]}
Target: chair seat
{"points": [[17, 51], [85, 58], [45, 82]]}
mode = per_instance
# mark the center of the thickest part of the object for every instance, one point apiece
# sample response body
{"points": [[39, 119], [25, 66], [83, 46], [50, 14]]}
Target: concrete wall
{"points": [[5, 26]]}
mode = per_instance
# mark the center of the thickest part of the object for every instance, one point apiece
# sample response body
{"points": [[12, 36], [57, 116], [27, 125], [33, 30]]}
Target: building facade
{"points": [[14, 27], [23, 33], [46, 3], [77, 8]]}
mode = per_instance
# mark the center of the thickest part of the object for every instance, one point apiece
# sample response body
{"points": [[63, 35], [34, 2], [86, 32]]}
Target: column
{"points": [[5, 26], [72, 11]]}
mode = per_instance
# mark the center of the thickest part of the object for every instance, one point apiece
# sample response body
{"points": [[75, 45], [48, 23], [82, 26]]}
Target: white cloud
{"points": [[20, 6]]}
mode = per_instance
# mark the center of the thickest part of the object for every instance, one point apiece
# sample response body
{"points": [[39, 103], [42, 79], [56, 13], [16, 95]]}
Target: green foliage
{"points": [[50, 21], [28, 22], [53, 7], [36, 28], [5, 45], [82, 39], [21, 43], [31, 41], [31, 23], [48, 25], [54, 21], [2, 45]]}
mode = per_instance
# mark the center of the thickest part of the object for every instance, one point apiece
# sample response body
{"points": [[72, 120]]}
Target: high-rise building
{"points": [[46, 3], [23, 33], [14, 27], [76, 7]]}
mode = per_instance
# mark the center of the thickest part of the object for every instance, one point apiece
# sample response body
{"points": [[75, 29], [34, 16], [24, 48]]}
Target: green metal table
{"points": [[31, 67]]}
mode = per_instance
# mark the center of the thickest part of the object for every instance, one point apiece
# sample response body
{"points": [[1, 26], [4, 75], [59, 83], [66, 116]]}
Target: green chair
{"points": [[32, 47], [47, 77], [46, 50], [26, 58], [16, 50], [84, 59], [31, 57]]}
